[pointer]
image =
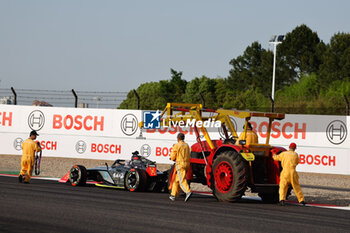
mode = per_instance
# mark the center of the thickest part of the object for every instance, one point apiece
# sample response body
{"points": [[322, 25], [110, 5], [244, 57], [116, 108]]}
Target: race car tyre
{"points": [[78, 175], [136, 180], [229, 176], [164, 184]]}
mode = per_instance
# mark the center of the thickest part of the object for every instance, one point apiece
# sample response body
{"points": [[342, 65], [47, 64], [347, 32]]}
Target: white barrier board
{"points": [[323, 143]]}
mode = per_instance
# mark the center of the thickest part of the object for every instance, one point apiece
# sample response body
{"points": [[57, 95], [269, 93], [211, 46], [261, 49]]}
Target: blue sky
{"points": [[111, 45]]}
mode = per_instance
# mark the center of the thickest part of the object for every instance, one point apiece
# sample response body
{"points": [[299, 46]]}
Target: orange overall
{"points": [[289, 175], [251, 137], [29, 148], [181, 155]]}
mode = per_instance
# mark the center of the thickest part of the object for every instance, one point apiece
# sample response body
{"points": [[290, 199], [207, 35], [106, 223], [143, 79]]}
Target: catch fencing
{"points": [[62, 98]]}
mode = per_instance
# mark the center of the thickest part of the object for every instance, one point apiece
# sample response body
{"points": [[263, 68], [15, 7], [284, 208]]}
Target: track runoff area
{"points": [[257, 199]]}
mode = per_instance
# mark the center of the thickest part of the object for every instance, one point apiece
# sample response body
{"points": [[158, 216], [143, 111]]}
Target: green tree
{"points": [[155, 95], [336, 60], [252, 69], [250, 99], [192, 91], [297, 97], [222, 89], [205, 86], [306, 87], [130, 102], [299, 51], [311, 77], [150, 95], [176, 87]]}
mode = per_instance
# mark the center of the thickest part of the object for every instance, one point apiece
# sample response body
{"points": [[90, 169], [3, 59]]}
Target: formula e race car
{"points": [[137, 174]]}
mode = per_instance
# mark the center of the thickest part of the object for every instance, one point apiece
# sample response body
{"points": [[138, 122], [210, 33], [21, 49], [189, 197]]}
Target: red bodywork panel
{"points": [[275, 168], [152, 171], [197, 161], [65, 178], [189, 174]]}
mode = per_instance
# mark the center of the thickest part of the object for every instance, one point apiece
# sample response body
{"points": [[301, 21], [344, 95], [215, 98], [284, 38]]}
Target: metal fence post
{"points": [[138, 99], [203, 100], [76, 98], [15, 95], [347, 105]]}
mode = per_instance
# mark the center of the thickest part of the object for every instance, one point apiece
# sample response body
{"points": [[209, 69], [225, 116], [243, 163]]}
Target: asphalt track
{"points": [[49, 206]]}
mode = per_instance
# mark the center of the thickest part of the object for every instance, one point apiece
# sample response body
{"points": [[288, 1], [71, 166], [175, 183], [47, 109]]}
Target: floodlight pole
{"points": [[275, 43]]}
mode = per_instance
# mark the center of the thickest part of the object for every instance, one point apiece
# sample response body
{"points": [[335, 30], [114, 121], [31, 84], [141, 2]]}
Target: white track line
{"points": [[33, 177], [288, 202]]}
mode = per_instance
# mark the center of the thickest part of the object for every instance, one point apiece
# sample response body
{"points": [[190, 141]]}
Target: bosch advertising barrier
{"points": [[323, 141]]}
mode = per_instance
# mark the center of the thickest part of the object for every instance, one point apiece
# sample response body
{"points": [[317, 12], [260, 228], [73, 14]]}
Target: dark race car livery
{"points": [[137, 174]]}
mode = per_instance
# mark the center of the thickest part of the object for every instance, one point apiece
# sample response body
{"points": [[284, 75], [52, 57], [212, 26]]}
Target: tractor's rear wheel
{"points": [[229, 176]]}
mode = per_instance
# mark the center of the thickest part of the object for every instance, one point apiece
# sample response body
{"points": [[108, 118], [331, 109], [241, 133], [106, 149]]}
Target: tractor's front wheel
{"points": [[229, 176]]}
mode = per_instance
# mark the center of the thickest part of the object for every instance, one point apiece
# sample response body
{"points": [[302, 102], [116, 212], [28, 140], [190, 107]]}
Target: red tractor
{"points": [[229, 169]]}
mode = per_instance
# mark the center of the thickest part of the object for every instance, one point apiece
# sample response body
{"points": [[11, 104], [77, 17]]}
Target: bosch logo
{"points": [[145, 150], [336, 132], [80, 147], [36, 120], [17, 144], [221, 131], [129, 124]]}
